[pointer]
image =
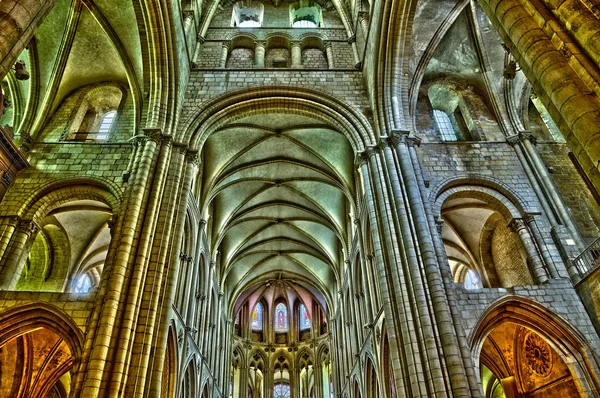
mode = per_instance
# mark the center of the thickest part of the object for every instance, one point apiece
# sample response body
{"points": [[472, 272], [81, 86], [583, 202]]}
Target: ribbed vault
{"points": [[279, 190]]}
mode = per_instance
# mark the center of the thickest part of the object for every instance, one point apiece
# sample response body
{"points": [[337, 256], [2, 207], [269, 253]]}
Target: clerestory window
{"points": [[442, 120], [106, 125]]}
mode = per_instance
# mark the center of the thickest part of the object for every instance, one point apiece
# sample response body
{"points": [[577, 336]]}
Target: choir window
{"points": [[257, 317], [281, 321]]}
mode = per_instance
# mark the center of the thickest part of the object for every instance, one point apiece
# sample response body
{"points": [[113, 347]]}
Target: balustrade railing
{"points": [[589, 259]]}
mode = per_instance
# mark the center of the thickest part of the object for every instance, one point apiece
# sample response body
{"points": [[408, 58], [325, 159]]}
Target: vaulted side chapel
{"points": [[299, 198]]}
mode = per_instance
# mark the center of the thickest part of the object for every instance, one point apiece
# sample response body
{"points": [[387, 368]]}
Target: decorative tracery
{"points": [[281, 391]]}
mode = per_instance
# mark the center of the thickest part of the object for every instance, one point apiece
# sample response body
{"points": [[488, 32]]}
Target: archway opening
{"points": [[516, 361]]}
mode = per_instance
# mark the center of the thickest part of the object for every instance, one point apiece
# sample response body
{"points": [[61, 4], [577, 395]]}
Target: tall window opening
{"points": [[256, 323], [444, 124], [305, 14], [248, 14], [305, 322], [84, 284], [106, 125], [281, 318]]}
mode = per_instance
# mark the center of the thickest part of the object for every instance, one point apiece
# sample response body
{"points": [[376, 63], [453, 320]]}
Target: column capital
{"points": [[439, 224], [260, 43], [226, 44], [527, 135], [517, 224], [363, 15], [296, 43], [513, 140], [193, 157], [153, 134], [28, 227], [326, 44]]}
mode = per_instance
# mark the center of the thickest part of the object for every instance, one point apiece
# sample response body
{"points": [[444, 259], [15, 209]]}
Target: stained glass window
{"points": [[281, 318], [281, 391], [304, 318], [257, 317]]}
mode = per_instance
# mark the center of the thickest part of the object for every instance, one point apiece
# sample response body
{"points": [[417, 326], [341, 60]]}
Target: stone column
{"points": [[363, 20], [9, 225], [296, 54], [537, 267], [20, 20], [200, 41], [541, 244], [188, 21], [565, 217], [514, 141], [357, 61], [110, 304], [329, 54], [435, 230], [259, 54], [224, 54], [14, 262]]}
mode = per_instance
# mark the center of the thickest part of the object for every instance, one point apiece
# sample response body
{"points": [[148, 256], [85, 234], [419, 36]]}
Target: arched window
{"points": [[84, 284], [472, 280], [248, 14], [281, 318], [281, 391], [256, 322], [106, 124], [304, 318], [444, 125], [305, 14]]}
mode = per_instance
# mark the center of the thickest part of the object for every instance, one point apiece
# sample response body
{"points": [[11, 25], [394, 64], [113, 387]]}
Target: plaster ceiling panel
{"points": [[278, 147], [284, 266], [427, 14], [329, 198], [281, 231], [274, 212], [325, 236], [48, 38], [456, 54], [228, 144], [123, 20], [468, 224], [493, 50], [92, 59], [283, 246], [318, 267], [333, 147], [279, 121], [279, 170], [229, 199], [81, 228], [239, 233], [282, 194]]}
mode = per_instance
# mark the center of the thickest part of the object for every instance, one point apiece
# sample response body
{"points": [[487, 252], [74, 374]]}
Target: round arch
{"points": [[235, 105]]}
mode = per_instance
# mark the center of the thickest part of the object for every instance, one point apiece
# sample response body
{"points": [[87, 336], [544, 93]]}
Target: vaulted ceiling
{"points": [[279, 190]]}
